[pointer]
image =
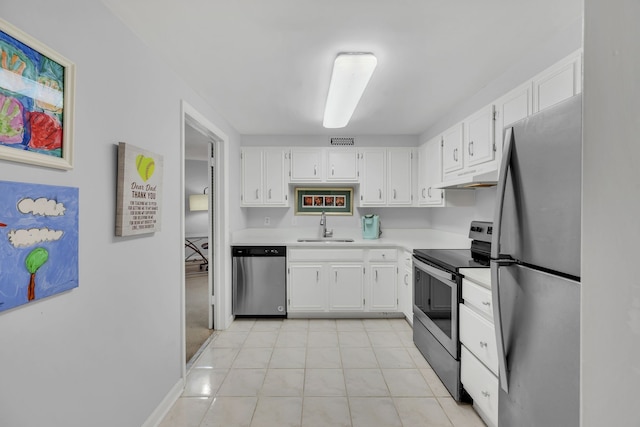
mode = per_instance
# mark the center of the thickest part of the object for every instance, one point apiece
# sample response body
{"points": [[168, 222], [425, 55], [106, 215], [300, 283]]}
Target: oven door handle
{"points": [[433, 271]]}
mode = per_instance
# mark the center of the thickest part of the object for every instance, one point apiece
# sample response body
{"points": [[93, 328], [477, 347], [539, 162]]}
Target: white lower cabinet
{"points": [[310, 290], [479, 355], [382, 282], [405, 286], [346, 287], [324, 281]]}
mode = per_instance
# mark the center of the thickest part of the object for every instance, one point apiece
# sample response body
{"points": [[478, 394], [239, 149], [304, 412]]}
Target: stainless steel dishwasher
{"points": [[259, 281]]}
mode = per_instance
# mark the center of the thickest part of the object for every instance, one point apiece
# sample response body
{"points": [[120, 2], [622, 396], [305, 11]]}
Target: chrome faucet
{"points": [[323, 224]]}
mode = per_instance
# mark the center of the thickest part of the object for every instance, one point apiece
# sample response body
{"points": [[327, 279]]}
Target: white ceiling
{"points": [[264, 65]]}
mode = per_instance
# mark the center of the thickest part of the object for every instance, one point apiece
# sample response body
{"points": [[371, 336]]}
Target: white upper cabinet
{"points": [[452, 146], [399, 173], [557, 83], [306, 165], [510, 108], [342, 165], [373, 177], [264, 177], [252, 190], [430, 172], [479, 137], [386, 176], [275, 180]]}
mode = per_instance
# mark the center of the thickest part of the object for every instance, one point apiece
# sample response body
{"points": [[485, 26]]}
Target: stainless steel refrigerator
{"points": [[535, 269]]}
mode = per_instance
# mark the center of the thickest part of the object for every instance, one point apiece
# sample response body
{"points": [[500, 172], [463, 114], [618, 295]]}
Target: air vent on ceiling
{"points": [[342, 140]]}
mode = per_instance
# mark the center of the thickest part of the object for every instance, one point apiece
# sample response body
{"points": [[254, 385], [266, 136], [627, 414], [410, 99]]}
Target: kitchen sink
{"points": [[326, 240]]}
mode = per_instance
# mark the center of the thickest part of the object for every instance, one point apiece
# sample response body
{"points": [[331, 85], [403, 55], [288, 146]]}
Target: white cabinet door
{"points": [[405, 286], [479, 137], [373, 177], [384, 294], [399, 173], [307, 287], [430, 173], [342, 165], [452, 145], [306, 165], [515, 105], [557, 83], [275, 183], [346, 287], [252, 193]]}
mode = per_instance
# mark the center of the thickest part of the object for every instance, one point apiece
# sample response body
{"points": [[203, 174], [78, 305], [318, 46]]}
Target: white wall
{"points": [[389, 217], [457, 220], [196, 178], [323, 140], [611, 208], [106, 353]]}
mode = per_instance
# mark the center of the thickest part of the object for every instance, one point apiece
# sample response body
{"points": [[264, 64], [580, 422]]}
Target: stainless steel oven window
{"points": [[436, 303]]}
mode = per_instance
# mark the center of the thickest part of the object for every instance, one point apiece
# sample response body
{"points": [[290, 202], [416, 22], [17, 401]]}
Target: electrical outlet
{"points": [[267, 220]]}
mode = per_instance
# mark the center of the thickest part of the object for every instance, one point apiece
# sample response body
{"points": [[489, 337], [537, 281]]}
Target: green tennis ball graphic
{"points": [[145, 166]]}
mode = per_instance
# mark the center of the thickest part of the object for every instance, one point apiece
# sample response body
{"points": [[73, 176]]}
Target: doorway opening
{"points": [[204, 232], [199, 280]]}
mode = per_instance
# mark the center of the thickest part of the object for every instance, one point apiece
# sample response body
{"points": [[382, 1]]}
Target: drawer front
{"points": [[481, 384], [478, 297], [478, 334], [326, 255], [383, 254]]}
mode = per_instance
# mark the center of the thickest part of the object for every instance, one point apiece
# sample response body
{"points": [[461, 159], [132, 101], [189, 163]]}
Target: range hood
{"points": [[470, 180]]}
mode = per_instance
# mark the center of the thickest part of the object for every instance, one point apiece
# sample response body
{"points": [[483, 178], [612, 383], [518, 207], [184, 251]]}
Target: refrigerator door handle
{"points": [[502, 184], [497, 316]]}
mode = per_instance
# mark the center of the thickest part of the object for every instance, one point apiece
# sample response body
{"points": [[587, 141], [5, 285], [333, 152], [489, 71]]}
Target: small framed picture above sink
{"points": [[332, 201]]}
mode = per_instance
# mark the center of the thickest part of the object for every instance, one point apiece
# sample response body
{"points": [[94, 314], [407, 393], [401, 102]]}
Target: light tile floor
{"points": [[309, 373]]}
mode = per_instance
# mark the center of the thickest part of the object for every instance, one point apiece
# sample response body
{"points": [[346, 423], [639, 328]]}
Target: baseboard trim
{"points": [[163, 408]]}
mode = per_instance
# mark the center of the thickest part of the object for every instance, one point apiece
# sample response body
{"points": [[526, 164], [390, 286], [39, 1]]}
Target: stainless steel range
{"points": [[437, 286]]}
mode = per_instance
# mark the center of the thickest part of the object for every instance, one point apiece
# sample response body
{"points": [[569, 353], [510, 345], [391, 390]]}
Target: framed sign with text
{"points": [[139, 192]]}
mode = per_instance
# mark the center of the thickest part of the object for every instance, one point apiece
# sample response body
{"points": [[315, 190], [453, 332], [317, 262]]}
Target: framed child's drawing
{"points": [[38, 242], [36, 101]]}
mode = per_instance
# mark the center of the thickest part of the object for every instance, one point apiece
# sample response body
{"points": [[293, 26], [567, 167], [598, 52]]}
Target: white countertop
{"points": [[481, 276], [408, 239]]}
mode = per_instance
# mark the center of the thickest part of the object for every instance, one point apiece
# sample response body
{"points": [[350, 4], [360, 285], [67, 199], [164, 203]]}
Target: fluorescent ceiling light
{"points": [[351, 74]]}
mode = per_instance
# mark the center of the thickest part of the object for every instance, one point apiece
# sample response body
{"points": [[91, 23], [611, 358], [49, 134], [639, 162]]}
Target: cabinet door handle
{"points": [[315, 170], [429, 192], [317, 275], [406, 279], [455, 154], [423, 195], [486, 393], [269, 194], [336, 276], [471, 148], [483, 344], [376, 275], [333, 170], [257, 193], [394, 194], [487, 303], [379, 194]]}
